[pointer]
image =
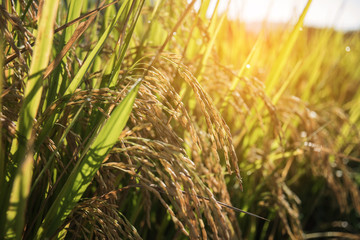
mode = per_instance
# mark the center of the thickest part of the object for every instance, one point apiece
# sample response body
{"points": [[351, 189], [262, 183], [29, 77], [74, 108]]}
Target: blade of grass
{"points": [[26, 9], [3, 183], [203, 9], [91, 57], [2, 149], [15, 216], [67, 130], [76, 35], [124, 43], [11, 57], [74, 12], [56, 82], [279, 93], [85, 169], [210, 45], [146, 36], [241, 72], [95, 11], [22, 147], [85, 67], [33, 87], [273, 78], [346, 129], [316, 60]]}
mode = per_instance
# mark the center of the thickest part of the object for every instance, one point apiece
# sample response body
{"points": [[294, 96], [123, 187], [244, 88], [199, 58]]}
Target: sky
{"points": [[340, 14]]}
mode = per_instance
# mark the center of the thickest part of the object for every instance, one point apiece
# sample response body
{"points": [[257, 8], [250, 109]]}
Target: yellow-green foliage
{"points": [[149, 119]]}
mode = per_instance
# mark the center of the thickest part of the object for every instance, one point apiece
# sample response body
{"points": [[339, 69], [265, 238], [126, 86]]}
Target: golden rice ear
{"points": [[165, 163], [84, 155]]}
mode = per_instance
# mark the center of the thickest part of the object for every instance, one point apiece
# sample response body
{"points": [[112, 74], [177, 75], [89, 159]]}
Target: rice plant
{"points": [[138, 119]]}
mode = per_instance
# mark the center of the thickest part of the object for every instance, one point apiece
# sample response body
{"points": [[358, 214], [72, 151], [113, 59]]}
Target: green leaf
{"points": [[15, 216], [92, 55], [85, 169], [19, 184], [280, 62], [241, 72]]}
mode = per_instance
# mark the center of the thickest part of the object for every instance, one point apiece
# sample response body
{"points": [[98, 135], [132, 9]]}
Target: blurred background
{"points": [[340, 14]]}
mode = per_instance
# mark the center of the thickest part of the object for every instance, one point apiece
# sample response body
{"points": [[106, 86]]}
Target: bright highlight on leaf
{"points": [[88, 164]]}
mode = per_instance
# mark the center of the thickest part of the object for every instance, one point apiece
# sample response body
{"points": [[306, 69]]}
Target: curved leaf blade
{"points": [[84, 171]]}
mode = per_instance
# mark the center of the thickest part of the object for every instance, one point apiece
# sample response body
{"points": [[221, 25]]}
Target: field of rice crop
{"points": [[153, 119]]}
